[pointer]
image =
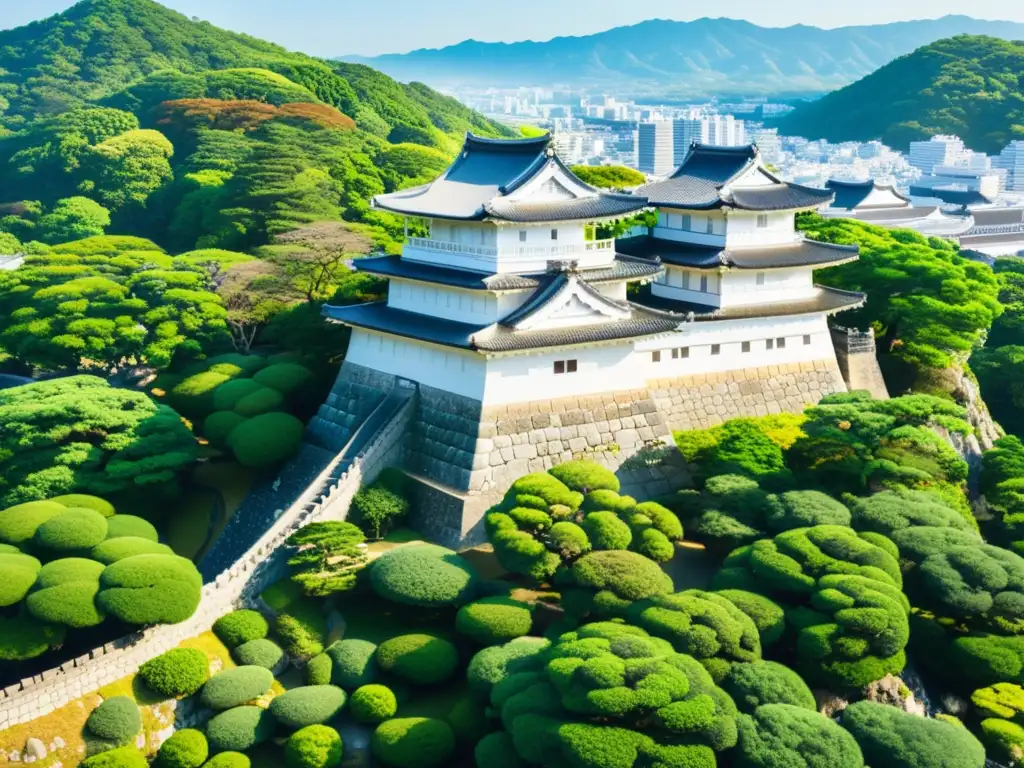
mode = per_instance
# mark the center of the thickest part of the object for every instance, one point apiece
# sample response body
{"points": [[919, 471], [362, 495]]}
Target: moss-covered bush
{"points": [[18, 524], [585, 476], [353, 663], [803, 509], [315, 746], [766, 682], [218, 426], [240, 627], [568, 540], [116, 720], [17, 575], [239, 729], [302, 629], [729, 511], [1004, 700], [227, 395], [229, 760], [419, 658], [259, 653], [1003, 740], [492, 665], [893, 738], [768, 616], [606, 531], [122, 757], [176, 673], [606, 583], [86, 501], [150, 589], [112, 550], [894, 510], [266, 440], [308, 705], [25, 637], [319, 670], [281, 594], [193, 396], [784, 735], [413, 742], [424, 575], [263, 400], [287, 378], [373, 704], [186, 748], [74, 530], [231, 688], [120, 526], [496, 750], [494, 620]]}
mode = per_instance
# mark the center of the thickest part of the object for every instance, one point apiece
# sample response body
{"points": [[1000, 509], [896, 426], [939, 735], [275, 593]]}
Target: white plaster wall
{"points": [[680, 284], [476, 307], [444, 368], [524, 378], [466, 233], [690, 226], [614, 291], [740, 286], [742, 229]]}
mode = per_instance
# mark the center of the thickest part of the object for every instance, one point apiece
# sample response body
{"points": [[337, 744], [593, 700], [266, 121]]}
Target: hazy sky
{"points": [[336, 27]]}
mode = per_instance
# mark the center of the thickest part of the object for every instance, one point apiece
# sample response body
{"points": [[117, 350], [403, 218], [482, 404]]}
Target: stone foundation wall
{"points": [[356, 392], [855, 354]]}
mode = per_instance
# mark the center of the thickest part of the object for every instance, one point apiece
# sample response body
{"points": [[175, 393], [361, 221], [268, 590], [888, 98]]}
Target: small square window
{"points": [[675, 354], [522, 235], [769, 343], [554, 234], [703, 283], [745, 346], [570, 366], [559, 366], [684, 352], [760, 278], [656, 356], [716, 349], [807, 341], [780, 342], [762, 221]]}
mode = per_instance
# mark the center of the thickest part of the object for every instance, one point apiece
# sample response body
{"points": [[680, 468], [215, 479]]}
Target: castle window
{"points": [[656, 356], [745, 346], [716, 349], [780, 342], [522, 235], [762, 221], [687, 222], [559, 366], [769, 344], [554, 234], [760, 278], [684, 352], [570, 366], [703, 283], [807, 341], [711, 226], [565, 366]]}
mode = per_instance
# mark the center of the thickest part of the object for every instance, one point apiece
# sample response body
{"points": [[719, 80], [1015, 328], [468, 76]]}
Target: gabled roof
{"points": [[998, 217], [704, 178], [961, 197], [479, 182], [851, 194], [805, 253], [824, 299]]}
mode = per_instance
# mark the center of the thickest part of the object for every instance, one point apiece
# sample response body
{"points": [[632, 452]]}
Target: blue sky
{"points": [[335, 27]]}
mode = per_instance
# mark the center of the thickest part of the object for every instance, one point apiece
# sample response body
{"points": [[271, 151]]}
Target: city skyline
{"points": [[327, 29]]}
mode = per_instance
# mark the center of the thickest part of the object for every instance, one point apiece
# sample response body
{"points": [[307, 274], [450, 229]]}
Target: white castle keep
{"points": [[531, 342]]}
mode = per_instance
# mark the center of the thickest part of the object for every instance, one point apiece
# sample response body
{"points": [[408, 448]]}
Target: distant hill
{"points": [[968, 85], [674, 58], [100, 47]]}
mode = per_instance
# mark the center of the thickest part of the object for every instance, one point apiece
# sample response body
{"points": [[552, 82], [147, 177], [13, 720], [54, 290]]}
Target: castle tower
{"points": [[533, 343]]}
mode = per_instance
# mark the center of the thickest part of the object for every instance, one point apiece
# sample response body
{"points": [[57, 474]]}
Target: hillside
{"points": [[100, 47], [968, 85], [672, 58]]}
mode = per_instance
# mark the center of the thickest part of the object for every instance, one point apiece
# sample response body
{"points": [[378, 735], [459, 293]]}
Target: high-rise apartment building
{"points": [[1011, 159], [655, 153], [939, 150], [719, 130]]}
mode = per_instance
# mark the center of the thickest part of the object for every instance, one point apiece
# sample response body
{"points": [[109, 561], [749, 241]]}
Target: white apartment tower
{"points": [[655, 148], [938, 150], [715, 130], [1011, 159]]}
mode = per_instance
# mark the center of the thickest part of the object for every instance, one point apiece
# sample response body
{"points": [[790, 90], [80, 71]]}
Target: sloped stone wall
{"points": [[356, 392]]}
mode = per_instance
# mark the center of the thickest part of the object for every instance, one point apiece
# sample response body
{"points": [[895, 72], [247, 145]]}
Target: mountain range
{"points": [[719, 57]]}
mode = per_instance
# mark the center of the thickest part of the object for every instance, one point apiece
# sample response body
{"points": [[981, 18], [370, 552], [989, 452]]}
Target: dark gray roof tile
{"points": [[804, 254], [778, 197], [826, 299], [850, 194]]}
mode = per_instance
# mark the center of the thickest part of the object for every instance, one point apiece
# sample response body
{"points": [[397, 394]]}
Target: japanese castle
{"points": [[883, 206], [531, 340]]}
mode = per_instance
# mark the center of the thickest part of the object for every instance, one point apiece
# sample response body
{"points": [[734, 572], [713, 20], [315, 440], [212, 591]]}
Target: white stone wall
{"points": [[743, 228], [746, 287], [328, 498]]}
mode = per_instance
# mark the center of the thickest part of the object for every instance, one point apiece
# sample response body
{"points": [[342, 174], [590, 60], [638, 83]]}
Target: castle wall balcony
{"points": [[493, 259]]}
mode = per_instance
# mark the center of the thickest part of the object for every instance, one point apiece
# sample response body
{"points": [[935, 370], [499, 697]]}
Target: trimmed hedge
{"points": [[585, 476], [413, 742], [85, 501], [112, 550], [354, 662], [492, 665], [281, 594], [418, 658], [608, 582], [969, 582], [783, 735], [218, 426], [65, 593], [228, 394], [24, 637], [234, 687], [319, 670], [266, 440], [286, 378], [186, 748], [803, 509], [496, 750], [606, 531], [768, 616], [662, 518], [1003, 740], [308, 705], [302, 629], [229, 760], [150, 589], [373, 704], [894, 510], [73, 530], [315, 746], [239, 729], [261, 401], [120, 526], [494, 620], [547, 488], [424, 575], [569, 540], [116, 720], [240, 627], [259, 653], [766, 682], [122, 757], [18, 524], [176, 673], [17, 575], [193, 396]]}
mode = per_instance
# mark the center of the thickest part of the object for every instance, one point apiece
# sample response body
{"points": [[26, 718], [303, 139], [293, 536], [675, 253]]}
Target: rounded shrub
{"points": [[413, 742], [266, 440], [319, 670], [228, 394], [917, 543], [766, 682], [585, 476], [606, 531], [259, 653], [569, 540], [186, 748], [492, 665], [25, 637], [234, 687], [302, 629], [784, 735], [73, 530], [119, 526], [176, 673], [496, 750], [150, 589], [893, 738], [608, 501], [353, 662], [768, 616], [494, 620], [218, 426], [1004, 700], [17, 575], [18, 524], [663, 519], [116, 720], [263, 400], [239, 729], [424, 575], [1003, 740], [654, 545], [122, 757], [112, 550], [520, 552], [966, 582], [608, 582], [543, 486], [65, 593], [468, 721], [373, 704], [894, 510], [529, 519], [193, 396], [418, 658], [315, 746], [239, 627], [86, 501], [229, 760], [803, 509], [281, 594], [286, 378], [308, 705], [246, 364]]}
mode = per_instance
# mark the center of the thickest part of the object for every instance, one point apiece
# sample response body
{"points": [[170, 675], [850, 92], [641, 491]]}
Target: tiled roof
{"points": [[487, 170], [830, 300], [806, 253], [997, 217], [623, 269], [895, 214], [778, 197], [952, 196], [850, 194]]}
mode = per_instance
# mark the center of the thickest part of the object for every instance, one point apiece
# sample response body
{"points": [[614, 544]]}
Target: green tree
{"points": [[609, 176], [328, 558], [73, 218], [127, 169]]}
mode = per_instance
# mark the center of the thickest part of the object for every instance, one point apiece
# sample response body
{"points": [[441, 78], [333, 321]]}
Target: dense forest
{"points": [[971, 86]]}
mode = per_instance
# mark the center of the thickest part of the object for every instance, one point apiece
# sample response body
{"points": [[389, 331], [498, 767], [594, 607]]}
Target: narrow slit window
{"points": [[522, 235], [684, 352], [711, 226], [716, 349], [762, 221], [769, 343], [675, 354], [554, 234], [760, 278], [703, 283], [807, 340], [780, 342], [745, 346], [656, 356]]}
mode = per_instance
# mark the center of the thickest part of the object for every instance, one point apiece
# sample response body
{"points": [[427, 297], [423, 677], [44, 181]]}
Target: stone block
{"points": [[578, 444], [536, 436], [525, 451], [541, 420], [502, 441], [626, 438]]}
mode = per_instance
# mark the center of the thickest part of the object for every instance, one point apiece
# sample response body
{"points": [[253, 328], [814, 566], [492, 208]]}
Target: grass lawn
{"points": [[391, 540]]}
